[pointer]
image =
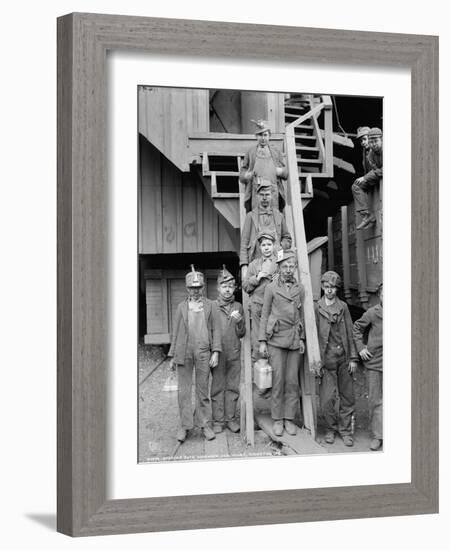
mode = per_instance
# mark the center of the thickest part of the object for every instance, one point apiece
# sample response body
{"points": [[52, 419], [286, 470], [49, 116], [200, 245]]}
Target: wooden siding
{"points": [[175, 212], [165, 289], [168, 115]]}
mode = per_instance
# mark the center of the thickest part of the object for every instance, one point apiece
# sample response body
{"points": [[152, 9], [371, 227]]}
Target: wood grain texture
{"points": [[83, 40]]}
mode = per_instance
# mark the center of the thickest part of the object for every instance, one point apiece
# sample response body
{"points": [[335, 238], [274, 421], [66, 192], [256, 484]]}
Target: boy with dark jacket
{"points": [[195, 345], [259, 274], [282, 339], [339, 359], [226, 376], [371, 324]]}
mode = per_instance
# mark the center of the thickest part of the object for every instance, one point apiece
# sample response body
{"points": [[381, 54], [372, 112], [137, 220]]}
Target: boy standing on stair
{"points": [[259, 274], [371, 324], [339, 359], [226, 376], [195, 345]]}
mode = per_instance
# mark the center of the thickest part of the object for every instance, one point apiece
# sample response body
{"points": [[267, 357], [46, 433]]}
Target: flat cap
{"points": [[375, 132], [283, 255], [266, 234], [261, 126], [263, 184], [362, 131], [333, 278]]}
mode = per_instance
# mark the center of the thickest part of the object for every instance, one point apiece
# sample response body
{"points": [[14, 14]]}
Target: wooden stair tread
{"points": [[306, 148], [309, 161]]}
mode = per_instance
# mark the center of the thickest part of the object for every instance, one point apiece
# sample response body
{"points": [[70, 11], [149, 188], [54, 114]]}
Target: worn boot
{"points": [[278, 428], [218, 427], [208, 434], [348, 440], [375, 444], [290, 427], [329, 437], [367, 219], [181, 434], [233, 426]]}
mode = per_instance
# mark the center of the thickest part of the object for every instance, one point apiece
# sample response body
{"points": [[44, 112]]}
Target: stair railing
{"points": [[325, 147], [312, 356]]}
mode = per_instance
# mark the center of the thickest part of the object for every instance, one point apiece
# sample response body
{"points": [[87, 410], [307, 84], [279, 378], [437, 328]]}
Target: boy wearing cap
{"points": [[196, 344], [282, 339], [226, 376], [363, 184], [362, 135], [259, 274], [371, 325], [339, 360], [267, 162], [262, 218]]}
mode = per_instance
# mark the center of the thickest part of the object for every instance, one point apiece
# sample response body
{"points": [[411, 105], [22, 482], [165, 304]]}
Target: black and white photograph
{"points": [[260, 246]]}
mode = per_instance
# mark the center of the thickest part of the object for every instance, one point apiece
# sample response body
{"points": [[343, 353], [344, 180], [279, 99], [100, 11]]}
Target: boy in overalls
{"points": [[195, 345]]}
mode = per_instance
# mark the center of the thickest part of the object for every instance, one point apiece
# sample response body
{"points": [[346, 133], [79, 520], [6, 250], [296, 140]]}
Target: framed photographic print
{"points": [[233, 203]]}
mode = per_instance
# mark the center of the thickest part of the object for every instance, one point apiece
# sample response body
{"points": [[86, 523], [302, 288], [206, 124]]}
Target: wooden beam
{"points": [[246, 393], [341, 140], [330, 244], [345, 252], [344, 165], [315, 111], [312, 363]]}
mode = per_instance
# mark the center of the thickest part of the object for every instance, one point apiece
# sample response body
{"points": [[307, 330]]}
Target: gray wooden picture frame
{"points": [[83, 42]]}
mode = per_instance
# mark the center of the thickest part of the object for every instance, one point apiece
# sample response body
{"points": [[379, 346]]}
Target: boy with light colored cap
{"points": [[339, 360], [226, 376], [264, 161], [196, 344], [282, 339], [260, 273], [368, 334], [362, 185]]}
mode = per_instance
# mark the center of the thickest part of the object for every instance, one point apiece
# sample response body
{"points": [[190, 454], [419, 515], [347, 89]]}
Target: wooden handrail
{"points": [[312, 342], [314, 111]]}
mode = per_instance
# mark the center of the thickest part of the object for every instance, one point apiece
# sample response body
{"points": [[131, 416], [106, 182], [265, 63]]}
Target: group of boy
{"points": [[207, 337], [207, 334]]}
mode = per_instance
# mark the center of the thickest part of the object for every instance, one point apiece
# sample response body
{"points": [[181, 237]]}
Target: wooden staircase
{"points": [[309, 153]]}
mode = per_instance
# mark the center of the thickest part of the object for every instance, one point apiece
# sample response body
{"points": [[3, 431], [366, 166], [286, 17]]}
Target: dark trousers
{"points": [[375, 383], [337, 399], [197, 359], [285, 386], [225, 386], [255, 310], [360, 195]]}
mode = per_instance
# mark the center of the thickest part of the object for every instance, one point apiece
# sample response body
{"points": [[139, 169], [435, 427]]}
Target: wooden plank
{"points": [[345, 252], [217, 447], [247, 421], [312, 361], [157, 339], [190, 220], [344, 165], [330, 243], [341, 140], [150, 207], [302, 443]]}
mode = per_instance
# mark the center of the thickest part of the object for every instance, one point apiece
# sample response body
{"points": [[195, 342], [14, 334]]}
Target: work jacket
{"points": [[343, 322], [370, 328], [231, 330], [180, 331], [254, 288], [282, 317], [252, 227], [374, 165], [248, 164]]}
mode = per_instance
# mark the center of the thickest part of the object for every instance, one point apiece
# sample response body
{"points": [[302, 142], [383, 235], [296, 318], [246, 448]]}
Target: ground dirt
{"points": [[159, 420]]}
